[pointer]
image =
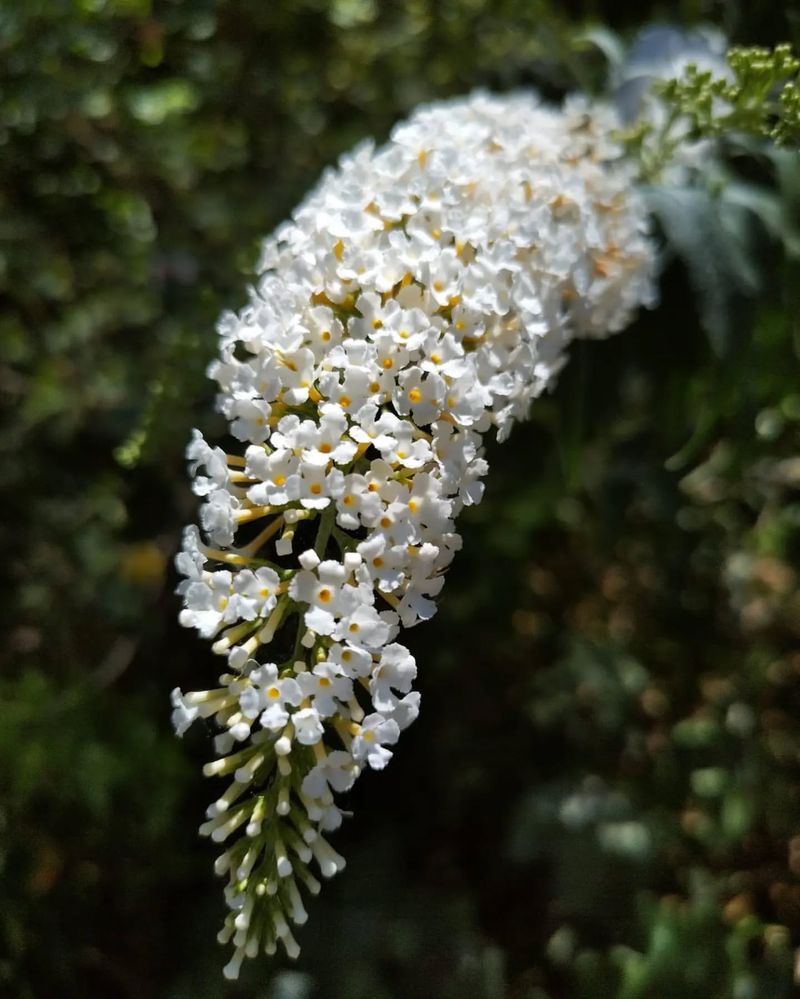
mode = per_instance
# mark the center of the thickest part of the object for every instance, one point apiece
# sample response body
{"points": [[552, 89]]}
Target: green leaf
{"points": [[771, 211], [714, 240]]}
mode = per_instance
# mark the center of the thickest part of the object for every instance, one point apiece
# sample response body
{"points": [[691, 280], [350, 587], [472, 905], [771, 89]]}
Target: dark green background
{"points": [[601, 794]]}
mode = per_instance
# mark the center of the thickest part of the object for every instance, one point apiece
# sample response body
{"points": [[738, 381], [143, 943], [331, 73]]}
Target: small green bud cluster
{"points": [[761, 96]]}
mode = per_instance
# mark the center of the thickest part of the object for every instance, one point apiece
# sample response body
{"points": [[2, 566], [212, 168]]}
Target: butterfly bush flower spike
{"points": [[424, 294]]}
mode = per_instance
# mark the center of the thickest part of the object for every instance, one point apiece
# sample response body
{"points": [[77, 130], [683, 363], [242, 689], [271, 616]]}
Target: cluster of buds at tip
{"points": [[423, 294]]}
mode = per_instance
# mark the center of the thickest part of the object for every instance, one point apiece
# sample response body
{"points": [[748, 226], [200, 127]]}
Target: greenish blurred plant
{"points": [[755, 92], [761, 96]]}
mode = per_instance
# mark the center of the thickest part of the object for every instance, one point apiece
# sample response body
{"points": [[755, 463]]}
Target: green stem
{"points": [[345, 541], [326, 524]]}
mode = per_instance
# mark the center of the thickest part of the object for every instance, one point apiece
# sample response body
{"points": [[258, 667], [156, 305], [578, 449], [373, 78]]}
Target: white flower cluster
{"points": [[424, 293]]}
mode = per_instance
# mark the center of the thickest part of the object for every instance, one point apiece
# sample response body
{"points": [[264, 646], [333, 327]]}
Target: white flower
{"points": [[338, 772], [259, 589], [324, 442], [308, 726], [415, 607], [209, 603], [395, 671], [268, 695], [406, 710], [278, 472], [444, 355], [199, 454], [324, 592], [217, 516], [384, 564], [183, 713], [250, 419], [312, 487], [420, 394], [369, 744], [355, 503], [324, 330], [351, 660], [365, 627], [375, 428], [402, 449], [326, 687], [295, 369], [353, 391], [190, 559]]}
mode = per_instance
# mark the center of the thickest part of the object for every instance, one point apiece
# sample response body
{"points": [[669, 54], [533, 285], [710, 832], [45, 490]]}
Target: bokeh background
{"points": [[602, 794]]}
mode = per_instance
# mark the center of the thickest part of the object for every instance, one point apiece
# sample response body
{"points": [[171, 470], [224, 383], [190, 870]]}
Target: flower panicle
{"points": [[423, 294]]}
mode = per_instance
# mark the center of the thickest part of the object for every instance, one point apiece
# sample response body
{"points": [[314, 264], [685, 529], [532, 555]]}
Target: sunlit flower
{"points": [[425, 293]]}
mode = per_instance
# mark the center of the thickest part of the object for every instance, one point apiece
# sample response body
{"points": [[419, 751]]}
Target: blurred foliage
{"points": [[761, 97], [601, 797]]}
